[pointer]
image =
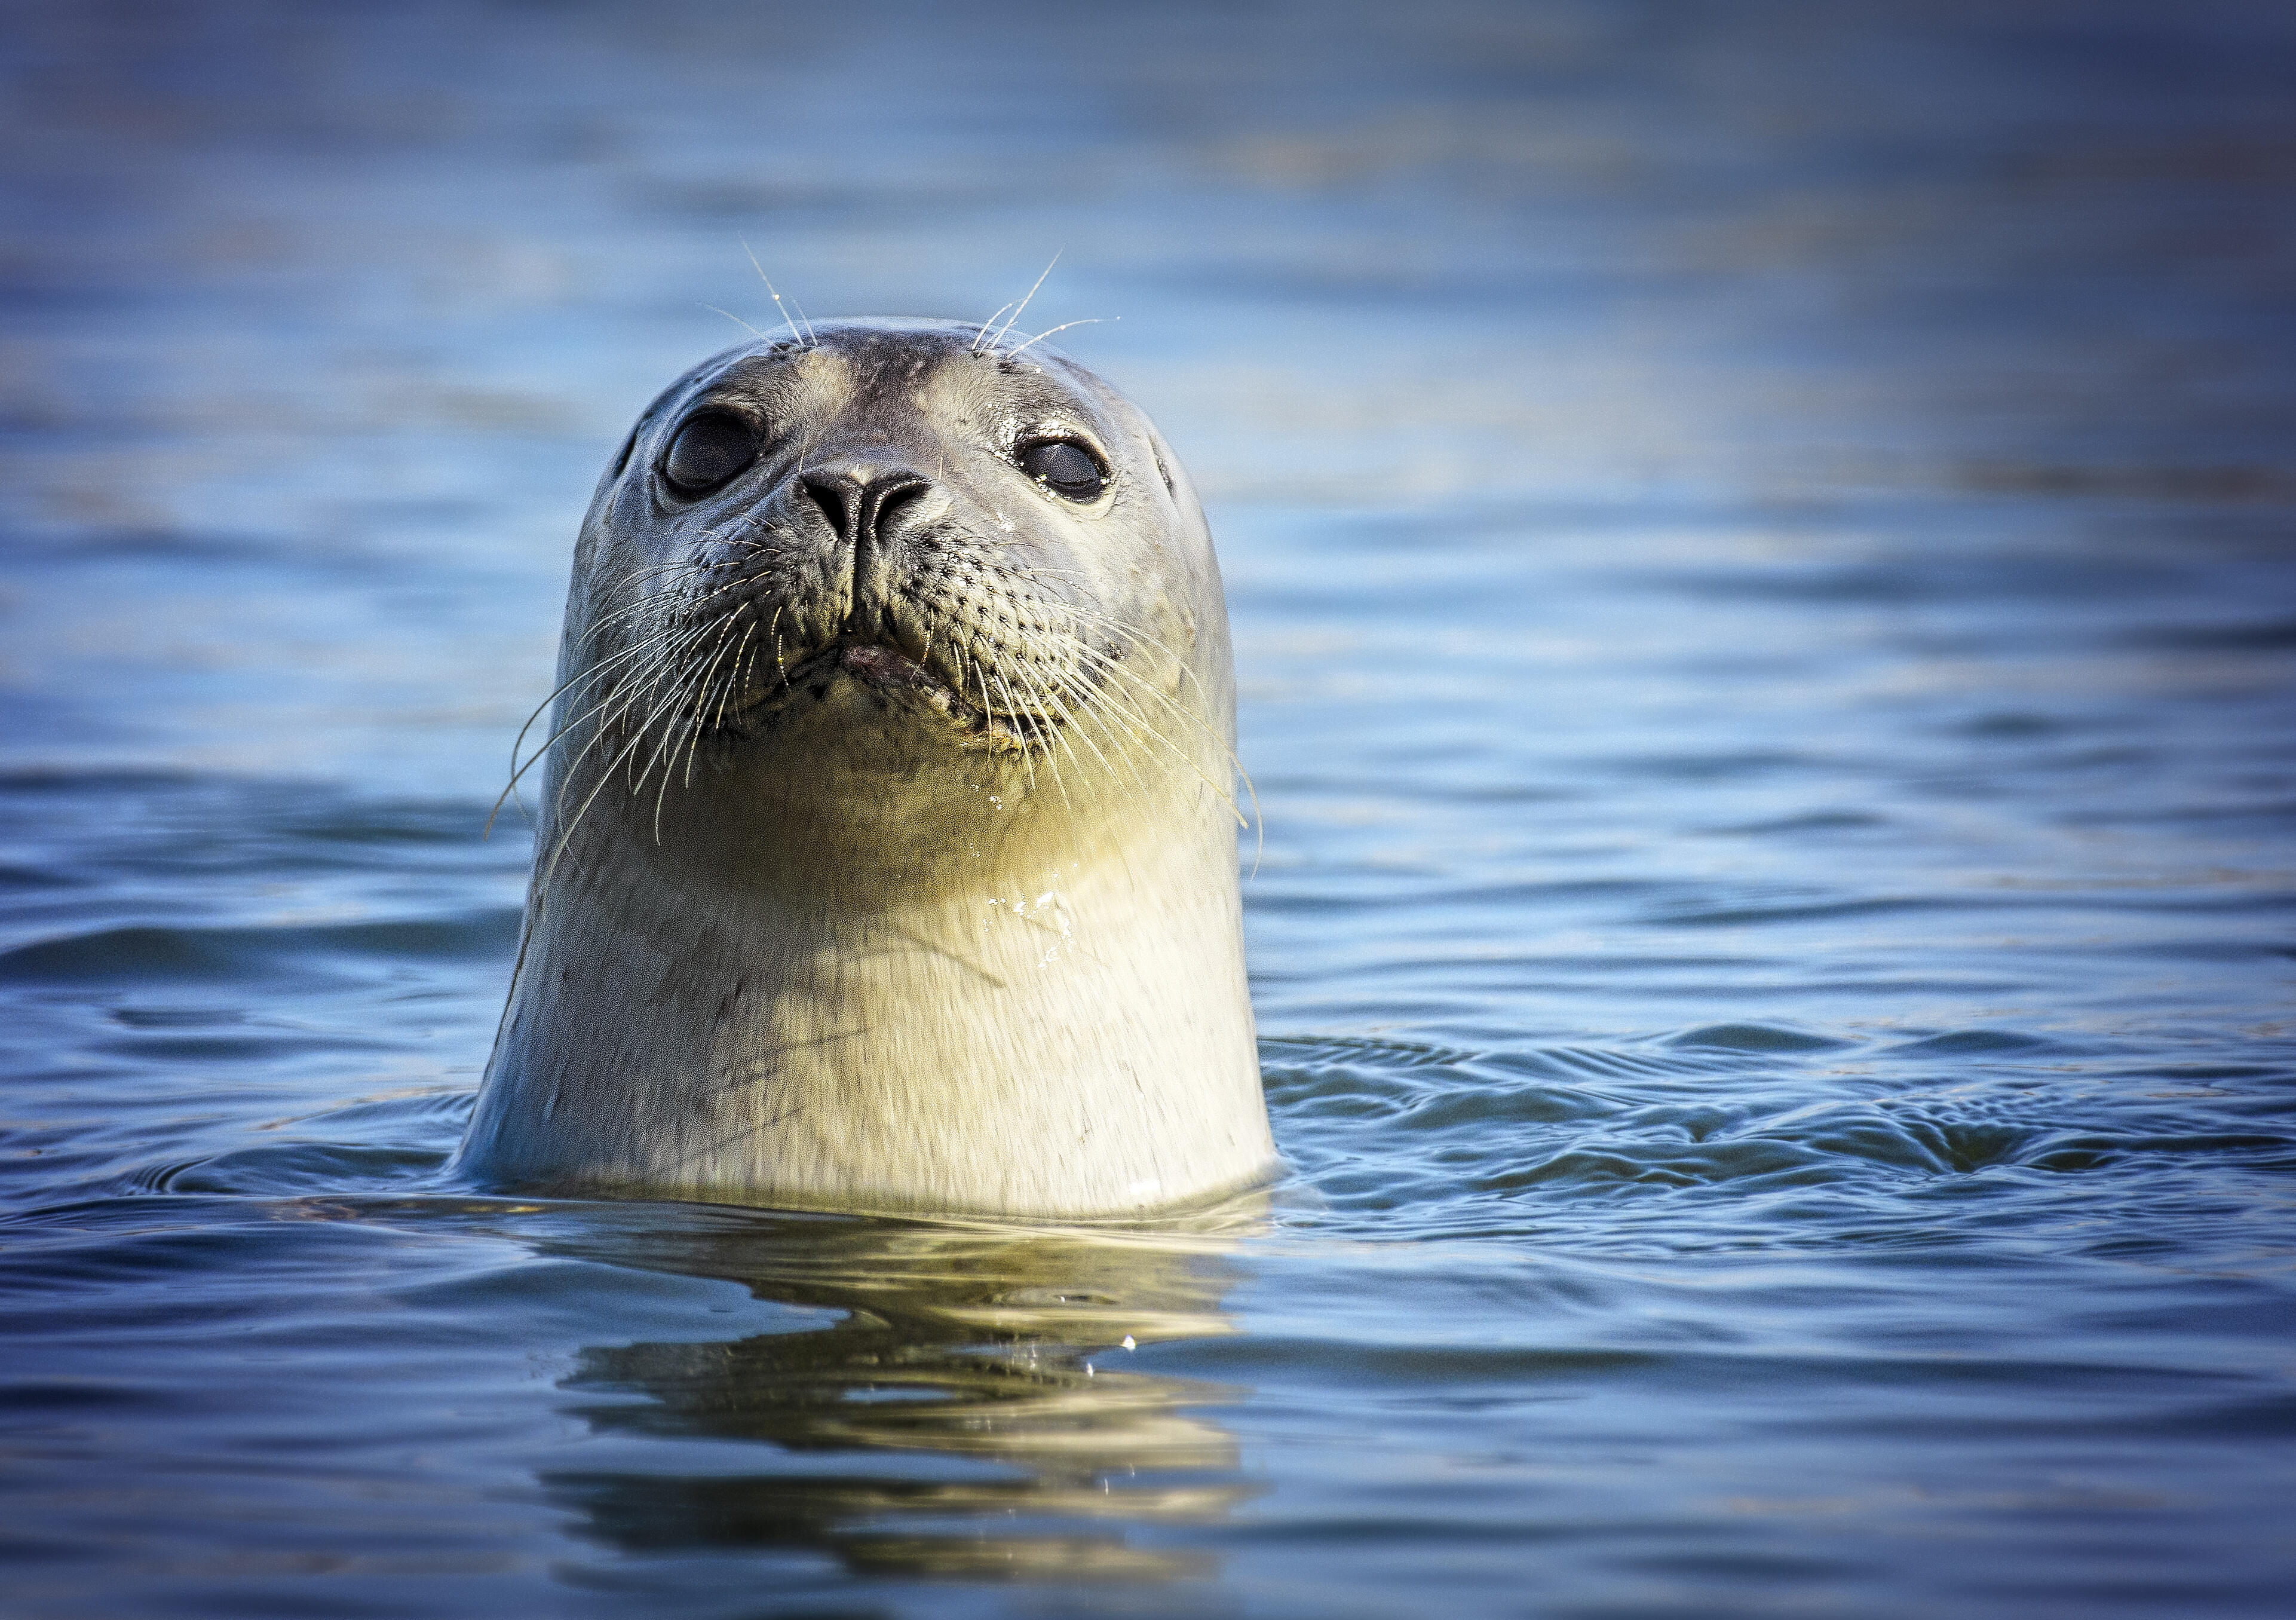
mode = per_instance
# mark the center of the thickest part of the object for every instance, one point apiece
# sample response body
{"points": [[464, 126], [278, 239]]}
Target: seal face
{"points": [[887, 857]]}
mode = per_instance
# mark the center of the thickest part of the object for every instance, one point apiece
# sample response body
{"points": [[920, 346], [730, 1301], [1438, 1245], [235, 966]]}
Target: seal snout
{"points": [[874, 506], [864, 502]]}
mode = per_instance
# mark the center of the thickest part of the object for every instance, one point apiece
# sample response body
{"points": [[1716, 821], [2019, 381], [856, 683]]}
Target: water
{"points": [[1759, 539]]}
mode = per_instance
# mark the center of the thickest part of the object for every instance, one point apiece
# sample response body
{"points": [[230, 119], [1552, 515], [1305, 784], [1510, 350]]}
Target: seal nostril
{"points": [[834, 498], [892, 503]]}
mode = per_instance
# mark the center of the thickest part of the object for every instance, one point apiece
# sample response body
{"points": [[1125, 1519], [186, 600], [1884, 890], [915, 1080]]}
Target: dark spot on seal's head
{"points": [[708, 451], [1065, 467]]}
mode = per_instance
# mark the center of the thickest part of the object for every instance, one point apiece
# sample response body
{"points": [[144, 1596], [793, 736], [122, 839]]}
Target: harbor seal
{"points": [[886, 859]]}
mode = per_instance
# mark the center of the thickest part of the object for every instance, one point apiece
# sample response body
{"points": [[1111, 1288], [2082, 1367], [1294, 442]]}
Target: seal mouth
{"points": [[891, 670]]}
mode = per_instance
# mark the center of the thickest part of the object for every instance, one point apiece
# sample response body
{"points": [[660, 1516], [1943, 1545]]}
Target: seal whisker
{"points": [[1225, 794], [700, 709], [988, 708], [599, 732], [566, 837], [1116, 667], [1135, 634], [681, 565], [1038, 705], [609, 619], [1023, 309], [1091, 710], [1014, 354], [693, 606], [519, 741], [667, 711], [734, 676], [986, 325], [1259, 820], [810, 341], [1013, 708], [1049, 700], [1139, 636], [538, 755], [652, 682], [1072, 720], [737, 320], [590, 679], [668, 758], [645, 685]]}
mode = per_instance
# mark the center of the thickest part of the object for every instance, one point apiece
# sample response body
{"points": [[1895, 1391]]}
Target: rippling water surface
{"points": [[1760, 547]]}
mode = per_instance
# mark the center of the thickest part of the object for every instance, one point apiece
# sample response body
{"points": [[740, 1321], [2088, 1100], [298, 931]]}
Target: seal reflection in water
{"points": [[974, 1411], [887, 855]]}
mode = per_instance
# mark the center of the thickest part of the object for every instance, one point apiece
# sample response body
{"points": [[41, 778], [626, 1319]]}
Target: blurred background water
{"points": [[1759, 540]]}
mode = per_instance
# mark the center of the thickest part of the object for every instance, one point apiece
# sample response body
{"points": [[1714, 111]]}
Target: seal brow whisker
{"points": [[986, 325], [1023, 309], [1098, 320], [738, 321], [811, 342]]}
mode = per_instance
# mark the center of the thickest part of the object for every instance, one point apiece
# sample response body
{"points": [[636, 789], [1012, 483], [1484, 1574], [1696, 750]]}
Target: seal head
{"points": [[887, 855]]}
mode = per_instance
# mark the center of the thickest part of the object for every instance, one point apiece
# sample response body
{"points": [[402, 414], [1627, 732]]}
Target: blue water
{"points": [[1759, 545]]}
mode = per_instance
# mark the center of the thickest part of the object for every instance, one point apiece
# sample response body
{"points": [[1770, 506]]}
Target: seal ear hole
{"points": [[708, 450], [1065, 467], [622, 461]]}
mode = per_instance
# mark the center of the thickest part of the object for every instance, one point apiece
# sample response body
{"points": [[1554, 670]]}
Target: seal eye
{"points": [[709, 450], [1065, 468]]}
